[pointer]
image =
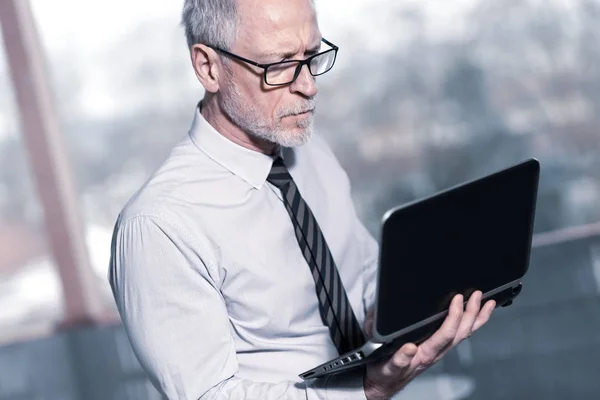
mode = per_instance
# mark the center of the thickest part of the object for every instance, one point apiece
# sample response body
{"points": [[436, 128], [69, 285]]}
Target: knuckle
{"points": [[421, 368], [427, 359], [387, 372], [449, 335], [465, 335], [398, 362]]}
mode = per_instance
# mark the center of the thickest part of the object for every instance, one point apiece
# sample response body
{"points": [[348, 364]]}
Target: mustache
{"points": [[299, 108]]}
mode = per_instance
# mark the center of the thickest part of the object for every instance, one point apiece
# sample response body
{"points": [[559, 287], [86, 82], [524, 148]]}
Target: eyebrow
{"points": [[290, 54], [314, 49], [274, 54]]}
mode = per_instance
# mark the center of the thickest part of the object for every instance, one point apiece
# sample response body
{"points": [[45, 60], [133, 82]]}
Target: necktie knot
{"points": [[279, 175]]}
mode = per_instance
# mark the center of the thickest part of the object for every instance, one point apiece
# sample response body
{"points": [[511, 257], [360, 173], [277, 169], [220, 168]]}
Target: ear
{"points": [[207, 66]]}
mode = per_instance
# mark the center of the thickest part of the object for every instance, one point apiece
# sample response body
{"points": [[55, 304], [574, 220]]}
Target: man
{"points": [[227, 284]]}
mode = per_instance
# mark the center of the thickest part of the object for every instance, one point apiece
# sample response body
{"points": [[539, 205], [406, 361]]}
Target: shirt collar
{"points": [[252, 166]]}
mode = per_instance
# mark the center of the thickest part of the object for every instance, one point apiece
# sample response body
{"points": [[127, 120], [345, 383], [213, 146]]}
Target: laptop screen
{"points": [[473, 237]]}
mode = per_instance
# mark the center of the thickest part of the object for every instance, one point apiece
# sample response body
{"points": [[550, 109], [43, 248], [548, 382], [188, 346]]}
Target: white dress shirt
{"points": [[209, 280]]}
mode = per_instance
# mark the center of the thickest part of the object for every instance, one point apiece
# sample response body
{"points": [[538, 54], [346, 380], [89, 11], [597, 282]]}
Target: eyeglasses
{"points": [[285, 72]]}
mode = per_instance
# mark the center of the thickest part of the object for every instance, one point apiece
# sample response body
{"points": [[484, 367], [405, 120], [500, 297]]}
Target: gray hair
{"points": [[210, 22]]}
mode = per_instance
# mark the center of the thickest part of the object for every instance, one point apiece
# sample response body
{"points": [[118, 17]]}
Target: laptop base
{"points": [[372, 352]]}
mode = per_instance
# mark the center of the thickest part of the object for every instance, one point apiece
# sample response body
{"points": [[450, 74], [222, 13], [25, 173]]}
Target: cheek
{"points": [[266, 102], [271, 100], [270, 104]]}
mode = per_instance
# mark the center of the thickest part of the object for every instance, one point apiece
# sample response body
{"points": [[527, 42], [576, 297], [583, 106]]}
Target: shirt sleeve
{"points": [[175, 317]]}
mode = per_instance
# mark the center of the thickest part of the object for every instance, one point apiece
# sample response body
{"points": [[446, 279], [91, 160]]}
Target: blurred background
{"points": [[424, 95]]}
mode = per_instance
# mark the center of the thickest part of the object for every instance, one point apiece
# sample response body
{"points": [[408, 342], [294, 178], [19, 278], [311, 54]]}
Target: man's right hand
{"points": [[384, 379]]}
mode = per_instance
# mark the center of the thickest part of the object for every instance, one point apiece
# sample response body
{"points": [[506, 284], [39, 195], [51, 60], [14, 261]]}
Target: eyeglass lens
{"points": [[285, 72]]}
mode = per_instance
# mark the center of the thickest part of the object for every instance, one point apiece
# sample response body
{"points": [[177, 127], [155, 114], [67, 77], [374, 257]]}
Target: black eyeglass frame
{"points": [[302, 63]]}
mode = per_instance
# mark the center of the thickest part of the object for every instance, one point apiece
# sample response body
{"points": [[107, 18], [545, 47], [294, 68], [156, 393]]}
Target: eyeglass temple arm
{"points": [[240, 58], [329, 43]]}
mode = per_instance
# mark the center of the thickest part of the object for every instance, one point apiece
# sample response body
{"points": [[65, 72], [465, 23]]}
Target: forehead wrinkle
{"points": [[272, 28]]}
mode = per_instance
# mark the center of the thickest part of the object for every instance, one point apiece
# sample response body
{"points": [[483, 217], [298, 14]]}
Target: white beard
{"points": [[245, 115]]}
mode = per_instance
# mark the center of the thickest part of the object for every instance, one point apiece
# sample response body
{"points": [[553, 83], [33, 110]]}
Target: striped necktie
{"points": [[334, 306]]}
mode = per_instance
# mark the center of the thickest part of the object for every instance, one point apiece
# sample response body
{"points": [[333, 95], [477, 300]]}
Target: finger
{"points": [[400, 360], [465, 328], [469, 317], [443, 352], [484, 314], [445, 334]]}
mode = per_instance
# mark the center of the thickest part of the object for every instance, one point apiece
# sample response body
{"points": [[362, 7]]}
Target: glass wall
{"points": [[30, 291], [124, 96], [429, 94], [424, 95]]}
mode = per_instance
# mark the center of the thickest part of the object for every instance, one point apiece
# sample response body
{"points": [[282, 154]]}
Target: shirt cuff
{"points": [[347, 385]]}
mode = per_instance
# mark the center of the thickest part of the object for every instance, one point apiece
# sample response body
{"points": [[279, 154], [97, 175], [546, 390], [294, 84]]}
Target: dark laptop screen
{"points": [[477, 236]]}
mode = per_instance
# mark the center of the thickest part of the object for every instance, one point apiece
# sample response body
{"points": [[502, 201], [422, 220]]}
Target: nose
{"points": [[305, 84]]}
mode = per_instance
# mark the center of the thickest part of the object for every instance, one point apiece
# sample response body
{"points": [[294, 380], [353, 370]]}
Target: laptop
{"points": [[473, 236]]}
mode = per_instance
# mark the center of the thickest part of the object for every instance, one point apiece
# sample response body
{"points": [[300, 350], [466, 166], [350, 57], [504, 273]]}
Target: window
{"points": [[424, 95], [30, 292]]}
